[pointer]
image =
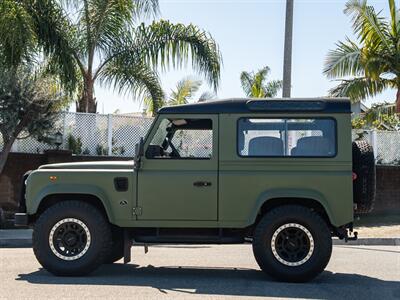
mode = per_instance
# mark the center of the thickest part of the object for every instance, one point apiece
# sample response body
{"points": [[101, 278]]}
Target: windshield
{"points": [[161, 133]]}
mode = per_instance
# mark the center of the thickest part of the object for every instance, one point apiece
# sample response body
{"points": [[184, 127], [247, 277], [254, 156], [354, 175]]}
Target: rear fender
{"points": [[291, 193]]}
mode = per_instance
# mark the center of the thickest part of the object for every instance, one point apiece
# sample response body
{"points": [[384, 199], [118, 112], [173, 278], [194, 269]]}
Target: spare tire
{"points": [[364, 184]]}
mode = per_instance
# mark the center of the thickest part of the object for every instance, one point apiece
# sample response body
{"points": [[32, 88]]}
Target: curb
{"points": [[369, 242], [15, 243], [15, 238]]}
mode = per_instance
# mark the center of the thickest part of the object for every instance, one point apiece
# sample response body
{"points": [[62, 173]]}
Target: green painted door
{"points": [[178, 179]]}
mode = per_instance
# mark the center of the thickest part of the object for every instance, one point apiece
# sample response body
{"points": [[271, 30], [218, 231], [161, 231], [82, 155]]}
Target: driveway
{"points": [[205, 271]]}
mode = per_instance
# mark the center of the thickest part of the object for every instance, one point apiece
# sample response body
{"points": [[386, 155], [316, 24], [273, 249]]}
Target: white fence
{"points": [[116, 135], [93, 134], [386, 145]]}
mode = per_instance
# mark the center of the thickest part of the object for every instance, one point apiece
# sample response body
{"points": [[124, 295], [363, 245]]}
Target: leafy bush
{"points": [[75, 144]]}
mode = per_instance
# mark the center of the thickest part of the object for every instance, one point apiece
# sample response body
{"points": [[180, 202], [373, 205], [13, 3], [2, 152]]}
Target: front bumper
{"points": [[21, 219]]}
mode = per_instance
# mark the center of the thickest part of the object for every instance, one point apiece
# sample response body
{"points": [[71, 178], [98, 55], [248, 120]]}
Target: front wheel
{"points": [[117, 248], [292, 243], [71, 238]]}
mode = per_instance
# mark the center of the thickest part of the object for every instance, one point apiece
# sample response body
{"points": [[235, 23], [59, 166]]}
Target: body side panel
{"points": [[244, 183], [247, 182]]}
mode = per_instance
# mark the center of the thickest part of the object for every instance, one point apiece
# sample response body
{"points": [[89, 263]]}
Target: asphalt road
{"points": [[368, 272]]}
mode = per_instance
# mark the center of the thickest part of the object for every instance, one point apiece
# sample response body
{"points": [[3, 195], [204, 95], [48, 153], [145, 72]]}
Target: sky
{"points": [[250, 35]]}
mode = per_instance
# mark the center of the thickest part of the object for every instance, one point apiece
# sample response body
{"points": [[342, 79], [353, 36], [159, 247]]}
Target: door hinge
{"points": [[137, 211]]}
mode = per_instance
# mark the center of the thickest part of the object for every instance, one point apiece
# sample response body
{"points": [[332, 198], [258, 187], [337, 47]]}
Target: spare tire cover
{"points": [[364, 185]]}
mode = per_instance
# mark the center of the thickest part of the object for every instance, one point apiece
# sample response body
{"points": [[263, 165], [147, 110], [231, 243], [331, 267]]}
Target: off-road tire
{"points": [[276, 218], [117, 248], [100, 245], [364, 186]]}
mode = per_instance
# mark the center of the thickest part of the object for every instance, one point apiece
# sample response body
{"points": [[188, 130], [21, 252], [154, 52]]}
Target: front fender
{"points": [[83, 189], [291, 193]]}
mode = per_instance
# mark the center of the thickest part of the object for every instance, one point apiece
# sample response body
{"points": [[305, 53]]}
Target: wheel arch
{"points": [[307, 198], [53, 198], [306, 202]]}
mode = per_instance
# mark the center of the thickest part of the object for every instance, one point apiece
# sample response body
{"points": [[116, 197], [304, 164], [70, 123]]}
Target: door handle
{"points": [[201, 183]]}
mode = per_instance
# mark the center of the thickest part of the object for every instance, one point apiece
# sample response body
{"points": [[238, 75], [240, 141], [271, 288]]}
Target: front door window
{"points": [[182, 139]]}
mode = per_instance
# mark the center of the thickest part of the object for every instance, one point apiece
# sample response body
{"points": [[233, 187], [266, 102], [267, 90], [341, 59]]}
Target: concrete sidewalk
{"points": [[22, 238]]}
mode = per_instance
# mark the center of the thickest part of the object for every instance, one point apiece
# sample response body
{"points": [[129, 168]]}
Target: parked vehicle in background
{"points": [[280, 174]]}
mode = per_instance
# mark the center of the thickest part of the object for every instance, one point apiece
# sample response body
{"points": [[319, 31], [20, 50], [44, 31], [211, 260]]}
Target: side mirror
{"points": [[139, 152]]}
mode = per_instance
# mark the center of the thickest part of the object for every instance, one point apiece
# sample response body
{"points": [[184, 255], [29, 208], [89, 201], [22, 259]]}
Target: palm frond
{"points": [[345, 60], [17, 39], [205, 96], [360, 88], [129, 75], [263, 73], [372, 29], [149, 105], [374, 63], [258, 88], [185, 91], [108, 18], [56, 37], [145, 8], [272, 88], [246, 79], [163, 43], [254, 84]]}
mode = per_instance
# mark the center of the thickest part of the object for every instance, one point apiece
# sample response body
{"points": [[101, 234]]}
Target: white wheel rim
{"points": [[53, 247], [310, 240]]}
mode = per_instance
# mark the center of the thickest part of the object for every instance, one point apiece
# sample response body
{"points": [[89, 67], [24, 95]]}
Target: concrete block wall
{"points": [[19, 163]]}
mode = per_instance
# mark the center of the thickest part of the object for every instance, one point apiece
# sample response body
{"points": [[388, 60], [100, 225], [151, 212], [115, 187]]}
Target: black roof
{"points": [[246, 105]]}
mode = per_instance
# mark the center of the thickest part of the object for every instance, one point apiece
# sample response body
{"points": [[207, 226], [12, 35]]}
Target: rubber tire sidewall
{"points": [[100, 238], [117, 248], [292, 214]]}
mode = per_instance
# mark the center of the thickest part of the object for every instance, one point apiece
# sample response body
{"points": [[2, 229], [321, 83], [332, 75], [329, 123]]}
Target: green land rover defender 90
{"points": [[281, 174]]}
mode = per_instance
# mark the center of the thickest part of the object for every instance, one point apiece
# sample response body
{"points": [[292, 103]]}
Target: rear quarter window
{"points": [[271, 137]]}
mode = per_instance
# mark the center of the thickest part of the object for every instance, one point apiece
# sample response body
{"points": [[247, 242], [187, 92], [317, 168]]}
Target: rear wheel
{"points": [[292, 243], [71, 238]]}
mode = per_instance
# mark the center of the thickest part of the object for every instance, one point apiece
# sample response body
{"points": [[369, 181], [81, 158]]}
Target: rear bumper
{"points": [[21, 219]]}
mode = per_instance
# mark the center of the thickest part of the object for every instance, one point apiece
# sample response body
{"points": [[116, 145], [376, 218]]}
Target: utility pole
{"points": [[287, 54]]}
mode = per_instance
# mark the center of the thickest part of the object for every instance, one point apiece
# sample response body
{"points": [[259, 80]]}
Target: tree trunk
{"points": [[6, 150], [398, 101], [87, 103]]}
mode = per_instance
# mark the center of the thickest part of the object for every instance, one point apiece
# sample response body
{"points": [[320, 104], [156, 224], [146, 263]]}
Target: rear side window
{"points": [[287, 137]]}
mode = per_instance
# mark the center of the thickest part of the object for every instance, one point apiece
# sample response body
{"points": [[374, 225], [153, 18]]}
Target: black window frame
{"points": [[184, 127], [286, 118]]}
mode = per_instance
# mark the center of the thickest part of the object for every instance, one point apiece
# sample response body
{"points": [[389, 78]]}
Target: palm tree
{"points": [[206, 96], [104, 40], [184, 92], [255, 86], [372, 65]]}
